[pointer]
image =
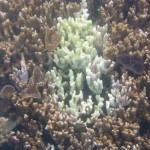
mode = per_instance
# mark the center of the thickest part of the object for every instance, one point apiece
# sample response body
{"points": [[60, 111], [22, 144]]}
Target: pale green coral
{"points": [[78, 43], [77, 77], [76, 83]]}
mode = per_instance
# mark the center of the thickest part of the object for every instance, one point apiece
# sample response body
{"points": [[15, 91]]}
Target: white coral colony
{"points": [[78, 65]]}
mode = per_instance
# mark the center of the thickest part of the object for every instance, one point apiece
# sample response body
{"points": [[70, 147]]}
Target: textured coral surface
{"points": [[75, 75]]}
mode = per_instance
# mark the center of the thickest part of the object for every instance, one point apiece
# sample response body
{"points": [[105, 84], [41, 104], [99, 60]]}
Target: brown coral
{"points": [[27, 42]]}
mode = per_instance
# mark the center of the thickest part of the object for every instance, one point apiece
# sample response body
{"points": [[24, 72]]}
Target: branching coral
{"points": [[75, 58], [59, 80], [79, 40], [119, 96]]}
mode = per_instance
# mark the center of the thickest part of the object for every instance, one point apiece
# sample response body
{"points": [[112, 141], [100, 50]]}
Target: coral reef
{"points": [[74, 74]]}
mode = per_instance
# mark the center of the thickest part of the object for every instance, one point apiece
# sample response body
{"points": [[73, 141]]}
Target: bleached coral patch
{"points": [[94, 72], [76, 79], [119, 96]]}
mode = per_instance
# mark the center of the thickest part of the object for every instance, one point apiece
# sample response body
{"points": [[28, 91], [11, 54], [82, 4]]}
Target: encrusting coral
{"points": [[61, 82]]}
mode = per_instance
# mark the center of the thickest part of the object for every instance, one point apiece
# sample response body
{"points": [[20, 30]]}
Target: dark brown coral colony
{"points": [[132, 63]]}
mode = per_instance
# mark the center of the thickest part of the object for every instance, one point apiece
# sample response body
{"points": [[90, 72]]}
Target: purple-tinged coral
{"points": [[119, 95], [132, 63]]}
